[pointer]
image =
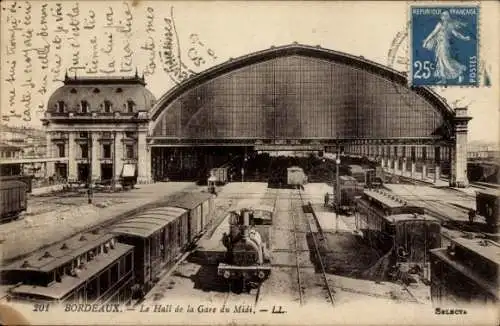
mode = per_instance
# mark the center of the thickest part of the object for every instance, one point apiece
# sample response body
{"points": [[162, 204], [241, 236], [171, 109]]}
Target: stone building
{"points": [[99, 124]]}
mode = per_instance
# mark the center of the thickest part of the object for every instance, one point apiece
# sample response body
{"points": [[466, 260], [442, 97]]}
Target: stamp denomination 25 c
{"points": [[444, 45]]}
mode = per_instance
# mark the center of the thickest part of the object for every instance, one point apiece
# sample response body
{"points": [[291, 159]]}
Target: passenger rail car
{"points": [[13, 199], [114, 267], [404, 234], [159, 235], [88, 268], [248, 258], [487, 205], [465, 272]]}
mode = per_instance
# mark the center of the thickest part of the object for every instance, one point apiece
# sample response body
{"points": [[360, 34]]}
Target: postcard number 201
{"points": [[38, 307], [423, 70]]}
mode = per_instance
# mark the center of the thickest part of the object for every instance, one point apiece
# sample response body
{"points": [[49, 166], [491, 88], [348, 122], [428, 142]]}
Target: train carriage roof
{"points": [[58, 290], [489, 192], [488, 249], [149, 222], [46, 260], [409, 217], [7, 184], [190, 200], [441, 253], [385, 199]]}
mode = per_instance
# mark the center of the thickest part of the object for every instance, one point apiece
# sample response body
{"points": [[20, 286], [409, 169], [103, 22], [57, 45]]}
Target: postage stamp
{"points": [[444, 45]]}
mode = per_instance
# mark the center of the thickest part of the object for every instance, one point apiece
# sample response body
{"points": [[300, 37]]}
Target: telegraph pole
{"points": [[89, 178]]}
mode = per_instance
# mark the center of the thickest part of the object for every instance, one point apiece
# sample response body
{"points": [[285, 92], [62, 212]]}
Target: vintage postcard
{"points": [[249, 162]]}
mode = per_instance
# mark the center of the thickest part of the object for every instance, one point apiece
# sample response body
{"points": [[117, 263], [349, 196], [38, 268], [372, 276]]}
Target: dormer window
{"points": [[107, 106], [85, 106], [130, 106], [60, 107]]}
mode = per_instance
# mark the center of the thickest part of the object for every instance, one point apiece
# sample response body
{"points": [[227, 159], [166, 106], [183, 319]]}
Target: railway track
{"points": [[296, 232]]}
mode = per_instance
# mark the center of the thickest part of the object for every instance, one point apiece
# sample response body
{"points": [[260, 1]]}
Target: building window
{"points": [[60, 149], [106, 151], [129, 134], [107, 106], [83, 134], [60, 107], [85, 106], [129, 150], [85, 150], [130, 106]]}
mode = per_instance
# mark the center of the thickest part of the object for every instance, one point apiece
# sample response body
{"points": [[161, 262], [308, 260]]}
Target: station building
{"points": [[99, 124], [288, 98]]}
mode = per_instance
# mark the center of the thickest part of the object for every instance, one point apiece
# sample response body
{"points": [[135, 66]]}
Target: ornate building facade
{"points": [[99, 124]]}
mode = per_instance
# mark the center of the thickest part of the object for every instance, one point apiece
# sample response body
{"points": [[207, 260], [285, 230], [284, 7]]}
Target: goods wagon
{"points": [[296, 176], [487, 202], [200, 211], [349, 189], [13, 199], [220, 175]]}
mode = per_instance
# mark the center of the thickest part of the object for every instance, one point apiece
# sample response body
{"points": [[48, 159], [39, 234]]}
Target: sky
{"points": [[217, 31]]}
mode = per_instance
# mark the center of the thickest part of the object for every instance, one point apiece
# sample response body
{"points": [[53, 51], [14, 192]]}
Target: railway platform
{"points": [[52, 218], [327, 219], [444, 201]]}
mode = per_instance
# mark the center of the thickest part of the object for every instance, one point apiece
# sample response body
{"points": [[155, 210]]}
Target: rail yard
{"points": [[244, 245]]}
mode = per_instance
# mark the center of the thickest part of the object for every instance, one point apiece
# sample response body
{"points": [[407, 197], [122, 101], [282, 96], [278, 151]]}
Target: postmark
{"points": [[444, 45]]}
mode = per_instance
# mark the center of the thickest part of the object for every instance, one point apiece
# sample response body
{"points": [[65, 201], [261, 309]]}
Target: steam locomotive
{"points": [[247, 262]]}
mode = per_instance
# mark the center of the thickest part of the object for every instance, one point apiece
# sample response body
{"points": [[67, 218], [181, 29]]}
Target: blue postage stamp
{"points": [[444, 45]]}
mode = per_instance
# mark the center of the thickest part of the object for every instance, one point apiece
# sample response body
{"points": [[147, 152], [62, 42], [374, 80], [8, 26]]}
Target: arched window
{"points": [[85, 106], [107, 106], [60, 107], [130, 106]]}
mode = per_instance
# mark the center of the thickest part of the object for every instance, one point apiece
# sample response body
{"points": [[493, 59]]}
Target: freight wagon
{"points": [[349, 188], [13, 199], [487, 205], [296, 177], [220, 175]]}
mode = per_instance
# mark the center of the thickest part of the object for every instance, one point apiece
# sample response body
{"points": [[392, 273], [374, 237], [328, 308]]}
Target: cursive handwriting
{"points": [[89, 23], [170, 52], [92, 66], [108, 48], [149, 45], [126, 64]]}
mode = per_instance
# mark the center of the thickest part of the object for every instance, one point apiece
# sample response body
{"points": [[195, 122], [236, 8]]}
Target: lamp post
{"points": [[113, 180], [89, 178], [337, 185]]}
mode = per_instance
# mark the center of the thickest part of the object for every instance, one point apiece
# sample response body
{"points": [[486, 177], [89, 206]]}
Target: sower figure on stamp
{"points": [[439, 42]]}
